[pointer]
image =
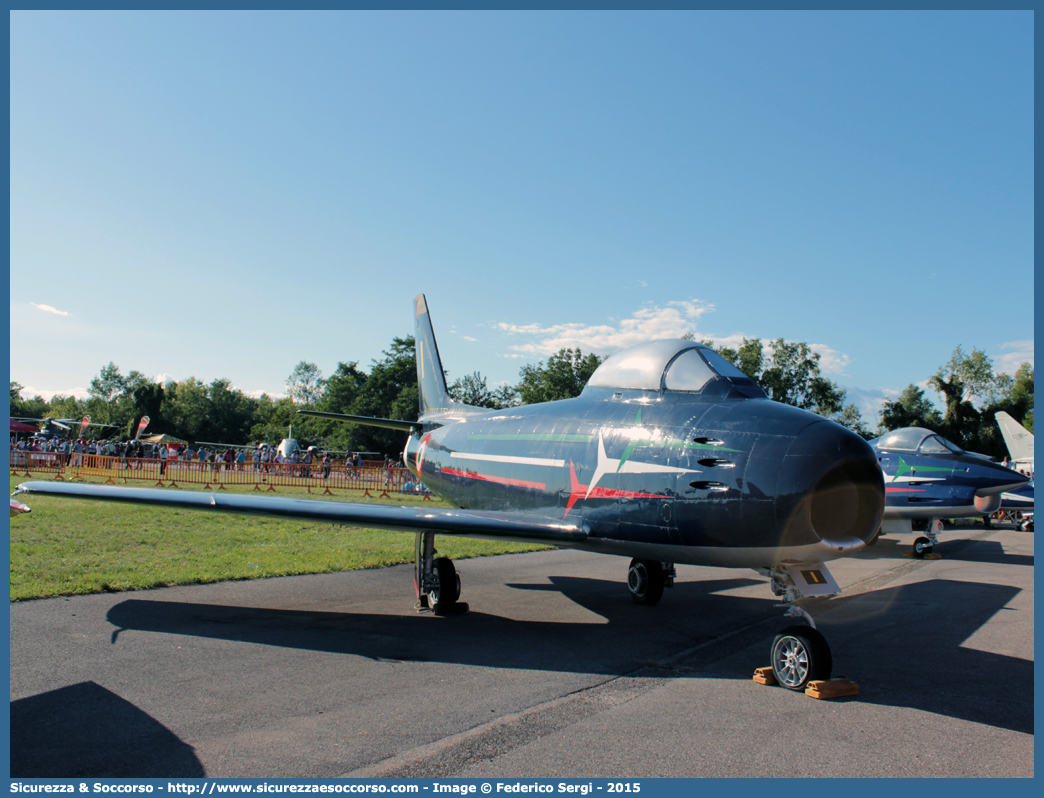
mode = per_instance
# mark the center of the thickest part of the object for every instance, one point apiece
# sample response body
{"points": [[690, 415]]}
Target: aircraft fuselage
{"points": [[726, 480], [947, 485]]}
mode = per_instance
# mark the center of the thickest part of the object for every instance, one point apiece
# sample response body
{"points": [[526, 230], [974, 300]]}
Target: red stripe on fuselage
{"points": [[518, 483], [904, 490], [580, 491]]}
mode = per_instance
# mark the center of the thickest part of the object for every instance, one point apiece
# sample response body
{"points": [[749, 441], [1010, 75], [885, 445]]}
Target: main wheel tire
{"points": [[645, 580], [800, 655], [445, 595], [921, 547]]}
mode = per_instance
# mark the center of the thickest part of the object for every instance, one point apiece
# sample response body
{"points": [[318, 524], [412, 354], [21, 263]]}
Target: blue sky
{"points": [[223, 195]]}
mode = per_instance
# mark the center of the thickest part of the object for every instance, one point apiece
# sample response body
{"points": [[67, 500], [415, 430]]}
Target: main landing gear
{"points": [[646, 580], [800, 653], [436, 580]]}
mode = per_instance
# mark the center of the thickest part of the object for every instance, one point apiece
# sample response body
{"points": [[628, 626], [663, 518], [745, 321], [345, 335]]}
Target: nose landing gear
{"points": [[800, 654], [923, 546]]}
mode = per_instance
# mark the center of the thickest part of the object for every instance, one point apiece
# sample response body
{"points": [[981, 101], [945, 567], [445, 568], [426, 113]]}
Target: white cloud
{"points": [[830, 360], [28, 392], [1009, 362], [868, 402], [647, 324], [469, 338], [49, 309], [259, 393], [734, 341]]}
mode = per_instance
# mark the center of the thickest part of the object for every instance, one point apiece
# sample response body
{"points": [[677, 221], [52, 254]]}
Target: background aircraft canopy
{"points": [[912, 439], [669, 365]]}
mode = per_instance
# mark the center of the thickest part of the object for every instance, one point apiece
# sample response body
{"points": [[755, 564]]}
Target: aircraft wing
{"points": [[369, 421], [464, 523]]}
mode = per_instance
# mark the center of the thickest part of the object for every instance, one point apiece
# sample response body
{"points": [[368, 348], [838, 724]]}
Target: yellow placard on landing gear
{"points": [[812, 579]]}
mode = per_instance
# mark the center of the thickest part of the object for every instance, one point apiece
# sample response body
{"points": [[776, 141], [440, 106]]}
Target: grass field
{"points": [[69, 546]]}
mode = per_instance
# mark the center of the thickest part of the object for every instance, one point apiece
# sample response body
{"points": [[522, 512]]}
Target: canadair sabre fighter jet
{"points": [[670, 455], [928, 478]]}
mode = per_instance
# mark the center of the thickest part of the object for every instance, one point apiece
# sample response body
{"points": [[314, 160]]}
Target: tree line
{"points": [[788, 372]]}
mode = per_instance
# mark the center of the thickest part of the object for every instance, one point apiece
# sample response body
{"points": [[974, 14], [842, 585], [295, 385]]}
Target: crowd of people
{"points": [[265, 460], [83, 452]]}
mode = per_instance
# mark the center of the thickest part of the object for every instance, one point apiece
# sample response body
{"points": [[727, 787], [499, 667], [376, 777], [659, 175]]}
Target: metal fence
{"points": [[372, 481]]}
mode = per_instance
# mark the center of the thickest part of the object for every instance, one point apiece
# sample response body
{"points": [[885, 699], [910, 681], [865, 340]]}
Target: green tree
{"points": [[36, 407], [273, 419], [305, 385], [109, 385], [749, 358], [910, 409], [793, 377], [1021, 395], [342, 389], [66, 407], [791, 374], [1014, 395], [187, 410], [958, 381], [473, 390], [148, 401], [564, 376], [111, 399], [390, 391]]}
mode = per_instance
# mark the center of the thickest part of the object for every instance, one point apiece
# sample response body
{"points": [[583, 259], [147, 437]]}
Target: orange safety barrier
{"points": [[379, 482]]}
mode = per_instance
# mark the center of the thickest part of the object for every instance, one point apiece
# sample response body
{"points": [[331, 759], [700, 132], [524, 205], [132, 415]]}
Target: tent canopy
{"points": [[164, 438], [19, 426]]}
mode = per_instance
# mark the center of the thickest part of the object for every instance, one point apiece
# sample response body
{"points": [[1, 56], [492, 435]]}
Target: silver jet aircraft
{"points": [[670, 455]]}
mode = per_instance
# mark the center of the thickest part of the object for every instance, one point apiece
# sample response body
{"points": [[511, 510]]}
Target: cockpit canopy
{"points": [[915, 439], [673, 365]]}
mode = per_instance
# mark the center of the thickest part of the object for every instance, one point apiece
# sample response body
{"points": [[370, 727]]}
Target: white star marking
{"points": [[605, 465]]}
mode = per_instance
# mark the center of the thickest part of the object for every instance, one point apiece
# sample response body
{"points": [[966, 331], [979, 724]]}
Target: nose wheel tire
{"points": [[645, 580], [445, 594], [921, 547], [800, 655]]}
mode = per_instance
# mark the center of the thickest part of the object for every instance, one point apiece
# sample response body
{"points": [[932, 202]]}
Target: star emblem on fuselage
{"points": [[606, 465]]}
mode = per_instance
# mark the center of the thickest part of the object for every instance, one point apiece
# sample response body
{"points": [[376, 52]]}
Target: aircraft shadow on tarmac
{"points": [[966, 550], [986, 551], [477, 638], [85, 731], [904, 645]]}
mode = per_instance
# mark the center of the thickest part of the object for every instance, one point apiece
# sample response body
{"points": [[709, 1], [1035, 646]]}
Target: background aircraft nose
{"points": [[993, 478], [830, 489]]}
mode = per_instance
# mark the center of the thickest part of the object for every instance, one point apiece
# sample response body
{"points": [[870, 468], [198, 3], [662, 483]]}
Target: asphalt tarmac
{"points": [[554, 672]]}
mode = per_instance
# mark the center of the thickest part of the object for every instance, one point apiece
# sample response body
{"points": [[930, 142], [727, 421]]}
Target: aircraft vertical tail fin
{"points": [[1017, 438], [435, 397]]}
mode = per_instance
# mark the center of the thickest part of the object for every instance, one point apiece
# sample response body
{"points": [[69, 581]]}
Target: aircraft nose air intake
{"points": [[836, 485]]}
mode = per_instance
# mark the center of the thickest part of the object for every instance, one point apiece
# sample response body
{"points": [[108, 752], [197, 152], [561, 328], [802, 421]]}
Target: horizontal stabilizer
{"points": [[464, 523], [369, 421]]}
